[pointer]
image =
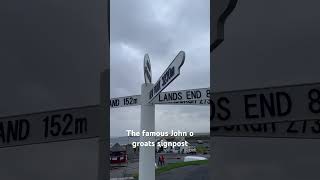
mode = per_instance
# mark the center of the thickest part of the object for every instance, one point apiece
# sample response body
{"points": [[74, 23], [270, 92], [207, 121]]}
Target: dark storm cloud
{"points": [[267, 43], [50, 58], [160, 28]]}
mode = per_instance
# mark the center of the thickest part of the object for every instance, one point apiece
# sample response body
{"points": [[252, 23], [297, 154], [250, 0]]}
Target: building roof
{"points": [[117, 147]]}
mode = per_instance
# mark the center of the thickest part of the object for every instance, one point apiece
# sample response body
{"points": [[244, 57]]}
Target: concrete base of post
{"points": [[147, 153]]}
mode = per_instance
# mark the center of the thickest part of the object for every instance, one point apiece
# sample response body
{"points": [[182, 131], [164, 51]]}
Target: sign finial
{"points": [[147, 69]]}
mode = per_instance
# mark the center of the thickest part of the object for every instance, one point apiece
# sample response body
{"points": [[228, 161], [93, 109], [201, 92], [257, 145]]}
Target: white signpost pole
{"points": [[147, 153]]}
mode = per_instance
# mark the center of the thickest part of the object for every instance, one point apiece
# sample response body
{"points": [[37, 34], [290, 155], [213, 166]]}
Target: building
{"points": [[118, 154]]}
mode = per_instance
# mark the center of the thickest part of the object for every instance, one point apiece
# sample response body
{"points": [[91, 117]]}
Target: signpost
{"points": [[152, 94], [147, 153], [168, 76], [276, 104]]}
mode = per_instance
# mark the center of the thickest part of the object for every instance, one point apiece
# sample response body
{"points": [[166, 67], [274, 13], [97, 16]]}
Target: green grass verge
{"points": [[171, 166], [136, 176], [201, 149]]}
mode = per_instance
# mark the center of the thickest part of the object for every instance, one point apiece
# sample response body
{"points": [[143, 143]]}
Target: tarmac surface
{"points": [[196, 172], [127, 171]]}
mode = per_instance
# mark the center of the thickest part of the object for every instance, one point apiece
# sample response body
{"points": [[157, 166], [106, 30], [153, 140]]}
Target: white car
{"points": [[193, 158]]}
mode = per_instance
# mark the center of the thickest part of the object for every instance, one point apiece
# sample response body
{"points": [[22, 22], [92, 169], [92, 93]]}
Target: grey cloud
{"points": [[123, 119], [186, 118], [161, 29], [139, 25]]}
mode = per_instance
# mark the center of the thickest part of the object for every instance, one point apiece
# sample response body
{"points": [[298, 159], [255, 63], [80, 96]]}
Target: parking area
{"points": [[132, 167]]}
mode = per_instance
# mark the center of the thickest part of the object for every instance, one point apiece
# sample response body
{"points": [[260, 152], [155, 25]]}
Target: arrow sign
{"points": [[188, 97], [168, 76], [135, 101], [51, 126], [183, 97]]}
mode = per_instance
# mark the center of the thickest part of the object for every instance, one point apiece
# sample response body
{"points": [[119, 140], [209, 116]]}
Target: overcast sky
{"points": [[160, 28]]}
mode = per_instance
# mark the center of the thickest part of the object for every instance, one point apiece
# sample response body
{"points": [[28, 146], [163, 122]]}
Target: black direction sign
{"points": [[51, 126]]}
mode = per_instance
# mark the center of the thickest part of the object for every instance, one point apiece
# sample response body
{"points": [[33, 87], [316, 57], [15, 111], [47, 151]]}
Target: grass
{"points": [[136, 175], [201, 149], [171, 166]]}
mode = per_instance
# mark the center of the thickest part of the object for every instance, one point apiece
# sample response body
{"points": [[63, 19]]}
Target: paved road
{"points": [[196, 172], [128, 171]]}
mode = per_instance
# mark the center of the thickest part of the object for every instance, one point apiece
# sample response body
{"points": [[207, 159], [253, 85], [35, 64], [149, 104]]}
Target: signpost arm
{"points": [[147, 153]]}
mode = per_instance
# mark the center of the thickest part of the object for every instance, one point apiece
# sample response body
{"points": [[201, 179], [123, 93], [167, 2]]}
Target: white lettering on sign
{"points": [[288, 103], [293, 129], [60, 125], [168, 76]]}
